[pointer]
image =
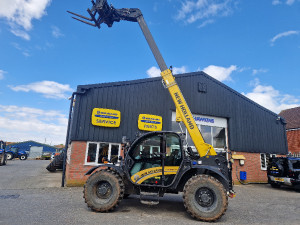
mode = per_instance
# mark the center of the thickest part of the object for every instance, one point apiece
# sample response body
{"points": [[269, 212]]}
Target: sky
{"points": [[251, 46]]}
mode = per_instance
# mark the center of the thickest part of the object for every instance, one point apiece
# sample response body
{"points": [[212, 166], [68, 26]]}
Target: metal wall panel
{"points": [[251, 128]]}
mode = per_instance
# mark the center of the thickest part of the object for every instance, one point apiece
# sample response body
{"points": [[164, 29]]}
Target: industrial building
{"points": [[33, 148], [104, 113]]}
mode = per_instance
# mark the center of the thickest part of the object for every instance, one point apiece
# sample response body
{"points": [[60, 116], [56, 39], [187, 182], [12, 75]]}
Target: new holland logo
{"points": [[150, 122], [106, 117]]}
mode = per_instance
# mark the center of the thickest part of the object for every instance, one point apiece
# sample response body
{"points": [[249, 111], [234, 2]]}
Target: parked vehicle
{"points": [[14, 152], [3, 159], [284, 171]]}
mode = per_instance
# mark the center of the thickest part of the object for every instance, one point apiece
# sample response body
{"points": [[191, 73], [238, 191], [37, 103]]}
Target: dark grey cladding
{"points": [[251, 127]]}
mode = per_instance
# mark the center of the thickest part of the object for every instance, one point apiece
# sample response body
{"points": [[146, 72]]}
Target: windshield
{"points": [[14, 149]]}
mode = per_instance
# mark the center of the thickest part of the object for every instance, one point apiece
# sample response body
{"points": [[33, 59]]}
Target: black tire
{"points": [[57, 163], [5, 160], [275, 185], [2, 158], [103, 191], [23, 157], [205, 198], [9, 156]]}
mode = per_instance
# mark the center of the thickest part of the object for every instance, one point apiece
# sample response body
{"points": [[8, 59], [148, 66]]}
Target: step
{"points": [[149, 198]]}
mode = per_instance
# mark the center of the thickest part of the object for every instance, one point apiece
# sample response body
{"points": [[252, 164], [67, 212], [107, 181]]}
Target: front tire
{"points": [[23, 157], [275, 185], [103, 191], [5, 160], [205, 198], [2, 159], [9, 156]]}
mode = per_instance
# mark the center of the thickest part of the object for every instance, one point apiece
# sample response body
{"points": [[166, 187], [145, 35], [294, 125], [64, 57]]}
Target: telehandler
{"points": [[159, 162]]}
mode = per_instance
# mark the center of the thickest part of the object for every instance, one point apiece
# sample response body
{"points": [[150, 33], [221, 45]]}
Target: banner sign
{"points": [[150, 122], [106, 117]]}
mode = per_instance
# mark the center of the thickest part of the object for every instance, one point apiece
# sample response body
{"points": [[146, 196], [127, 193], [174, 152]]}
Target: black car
{"points": [[284, 171]]}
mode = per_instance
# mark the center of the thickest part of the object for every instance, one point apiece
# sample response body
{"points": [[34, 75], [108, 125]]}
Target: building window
{"points": [[215, 136], [264, 160], [213, 130], [97, 152]]}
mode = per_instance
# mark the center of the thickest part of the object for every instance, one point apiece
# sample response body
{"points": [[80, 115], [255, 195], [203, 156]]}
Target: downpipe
{"points": [[68, 134]]}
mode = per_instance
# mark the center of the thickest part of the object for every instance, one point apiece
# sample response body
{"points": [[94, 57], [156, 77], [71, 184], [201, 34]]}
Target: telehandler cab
{"points": [[159, 162]]}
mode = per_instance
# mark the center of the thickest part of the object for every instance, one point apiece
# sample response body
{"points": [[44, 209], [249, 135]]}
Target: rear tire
{"points": [[205, 198], [9, 156], [103, 191]]}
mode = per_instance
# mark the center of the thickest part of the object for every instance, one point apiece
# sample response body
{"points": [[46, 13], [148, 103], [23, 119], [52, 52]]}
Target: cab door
{"points": [[155, 159], [173, 157]]}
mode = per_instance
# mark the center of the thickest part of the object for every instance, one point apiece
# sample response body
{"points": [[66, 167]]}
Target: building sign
{"points": [[106, 117], [206, 120], [150, 122]]}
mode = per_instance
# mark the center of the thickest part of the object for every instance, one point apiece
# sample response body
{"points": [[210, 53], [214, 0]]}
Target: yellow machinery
{"points": [[158, 162]]}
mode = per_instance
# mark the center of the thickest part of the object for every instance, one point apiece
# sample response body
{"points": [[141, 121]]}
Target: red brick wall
{"points": [[252, 167], [75, 168], [293, 138]]}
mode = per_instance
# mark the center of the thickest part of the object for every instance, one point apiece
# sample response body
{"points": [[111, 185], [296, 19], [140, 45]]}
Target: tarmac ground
{"points": [[29, 194]]}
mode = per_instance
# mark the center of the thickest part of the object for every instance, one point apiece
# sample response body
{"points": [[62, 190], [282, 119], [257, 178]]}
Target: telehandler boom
{"points": [[159, 162], [100, 13]]}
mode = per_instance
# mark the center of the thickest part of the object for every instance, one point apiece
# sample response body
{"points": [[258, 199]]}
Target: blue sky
{"points": [[251, 46]]}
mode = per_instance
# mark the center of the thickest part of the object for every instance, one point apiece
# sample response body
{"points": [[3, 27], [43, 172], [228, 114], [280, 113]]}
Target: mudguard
{"points": [[210, 170], [117, 168], [216, 172]]}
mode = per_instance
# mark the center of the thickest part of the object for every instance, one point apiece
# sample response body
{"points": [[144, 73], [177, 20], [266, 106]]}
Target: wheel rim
{"points": [[104, 190], [8, 156], [22, 157], [205, 197]]}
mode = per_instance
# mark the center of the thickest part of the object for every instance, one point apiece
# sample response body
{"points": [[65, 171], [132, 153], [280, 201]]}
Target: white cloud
{"points": [[25, 123], [205, 23], [284, 34], [179, 70], [155, 72], [20, 13], [194, 10], [49, 89], [56, 32], [279, 2], [272, 99], [2, 72], [220, 73], [290, 2], [257, 71], [276, 2]]}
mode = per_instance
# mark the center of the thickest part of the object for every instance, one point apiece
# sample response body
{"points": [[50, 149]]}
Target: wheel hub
{"points": [[205, 197], [104, 190]]}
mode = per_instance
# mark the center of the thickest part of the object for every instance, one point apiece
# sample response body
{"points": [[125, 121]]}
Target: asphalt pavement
{"points": [[29, 194]]}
